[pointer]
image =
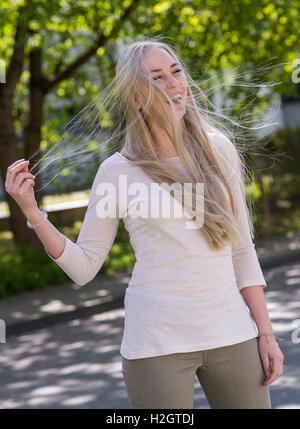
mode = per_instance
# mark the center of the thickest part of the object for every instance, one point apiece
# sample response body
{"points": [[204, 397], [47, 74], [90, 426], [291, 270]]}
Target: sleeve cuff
{"points": [[257, 282], [64, 254]]}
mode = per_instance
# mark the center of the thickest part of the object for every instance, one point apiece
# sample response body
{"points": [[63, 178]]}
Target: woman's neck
{"points": [[163, 143]]}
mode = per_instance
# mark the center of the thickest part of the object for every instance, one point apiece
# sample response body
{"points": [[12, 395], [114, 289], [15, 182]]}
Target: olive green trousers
{"points": [[231, 377]]}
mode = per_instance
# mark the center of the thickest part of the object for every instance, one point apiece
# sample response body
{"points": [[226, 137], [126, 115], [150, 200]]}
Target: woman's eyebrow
{"points": [[156, 70]]}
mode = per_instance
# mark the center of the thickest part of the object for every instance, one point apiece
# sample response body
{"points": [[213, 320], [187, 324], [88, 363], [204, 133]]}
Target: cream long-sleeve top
{"points": [[182, 296]]}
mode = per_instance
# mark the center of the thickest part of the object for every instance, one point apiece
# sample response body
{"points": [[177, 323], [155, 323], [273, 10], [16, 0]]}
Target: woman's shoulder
{"points": [[220, 139], [112, 166], [114, 159], [223, 144], [113, 162]]}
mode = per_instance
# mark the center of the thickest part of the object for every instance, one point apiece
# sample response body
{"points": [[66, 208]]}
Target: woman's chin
{"points": [[181, 111]]}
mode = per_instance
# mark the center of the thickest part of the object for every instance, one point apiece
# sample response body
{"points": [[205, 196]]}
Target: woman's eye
{"points": [[158, 77]]}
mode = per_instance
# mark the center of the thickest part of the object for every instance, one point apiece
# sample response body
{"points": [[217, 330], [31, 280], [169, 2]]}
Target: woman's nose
{"points": [[171, 80]]}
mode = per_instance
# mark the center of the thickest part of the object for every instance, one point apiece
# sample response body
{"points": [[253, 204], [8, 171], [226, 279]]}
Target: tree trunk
{"points": [[9, 153], [33, 133]]}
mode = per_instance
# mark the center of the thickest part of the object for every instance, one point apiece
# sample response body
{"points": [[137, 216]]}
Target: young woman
{"points": [[187, 303]]}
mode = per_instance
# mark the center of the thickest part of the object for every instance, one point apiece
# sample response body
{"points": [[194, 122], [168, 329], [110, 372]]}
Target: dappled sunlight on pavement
{"points": [[283, 301], [71, 365]]}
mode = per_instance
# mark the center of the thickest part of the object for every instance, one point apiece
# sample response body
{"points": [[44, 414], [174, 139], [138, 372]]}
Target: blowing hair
{"points": [[206, 147]]}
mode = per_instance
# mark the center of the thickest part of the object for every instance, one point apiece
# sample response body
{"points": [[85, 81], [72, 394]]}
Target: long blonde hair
{"points": [[202, 155], [205, 146]]}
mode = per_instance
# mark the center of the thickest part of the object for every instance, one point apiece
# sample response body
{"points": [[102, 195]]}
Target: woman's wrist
{"points": [[33, 214], [267, 335]]}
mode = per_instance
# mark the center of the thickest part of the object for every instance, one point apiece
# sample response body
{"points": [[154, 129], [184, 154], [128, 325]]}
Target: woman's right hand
{"points": [[19, 185]]}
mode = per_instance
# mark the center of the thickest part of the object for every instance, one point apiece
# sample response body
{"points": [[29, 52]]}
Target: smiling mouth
{"points": [[176, 100]]}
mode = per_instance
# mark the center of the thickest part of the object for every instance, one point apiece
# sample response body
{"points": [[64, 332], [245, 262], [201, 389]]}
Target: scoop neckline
{"points": [[171, 157]]}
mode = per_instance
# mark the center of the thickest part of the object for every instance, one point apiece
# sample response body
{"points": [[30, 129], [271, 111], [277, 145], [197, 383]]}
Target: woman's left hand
{"points": [[270, 351]]}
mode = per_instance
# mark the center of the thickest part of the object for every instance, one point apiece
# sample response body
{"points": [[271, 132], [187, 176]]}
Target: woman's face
{"points": [[167, 74]]}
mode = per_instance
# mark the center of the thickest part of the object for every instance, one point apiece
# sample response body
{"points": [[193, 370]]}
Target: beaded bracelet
{"points": [[45, 214], [269, 333]]}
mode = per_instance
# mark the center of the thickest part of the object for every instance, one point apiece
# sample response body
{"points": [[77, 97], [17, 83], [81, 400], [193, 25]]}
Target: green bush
{"points": [[284, 145], [281, 178], [25, 267]]}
